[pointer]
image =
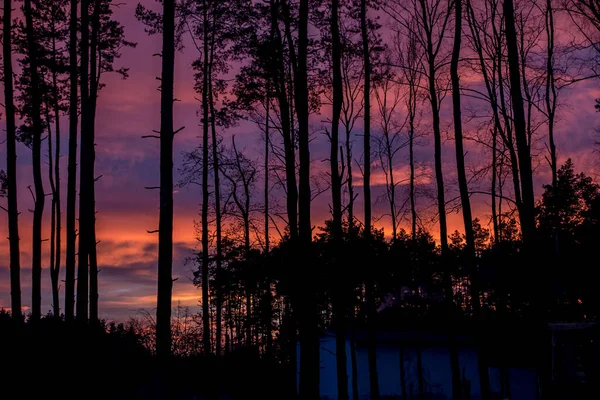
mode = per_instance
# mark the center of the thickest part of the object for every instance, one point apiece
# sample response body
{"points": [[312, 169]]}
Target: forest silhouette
{"points": [[509, 298]]}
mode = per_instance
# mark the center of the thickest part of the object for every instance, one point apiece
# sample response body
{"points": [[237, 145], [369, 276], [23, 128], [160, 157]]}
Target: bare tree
{"points": [[241, 173], [484, 379], [389, 98], [409, 55], [526, 212], [370, 295]]}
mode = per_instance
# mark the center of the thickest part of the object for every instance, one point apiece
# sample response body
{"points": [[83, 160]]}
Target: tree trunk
{"points": [[309, 323], [336, 193], [165, 223], [279, 80], [90, 173], [336, 181], [38, 211], [84, 157], [392, 184], [441, 203], [267, 295], [266, 189], [286, 126], [525, 171], [56, 190], [494, 183], [371, 313], [217, 189], [551, 93], [413, 208], [53, 265], [71, 234], [412, 113], [205, 191], [11, 167], [349, 179]]}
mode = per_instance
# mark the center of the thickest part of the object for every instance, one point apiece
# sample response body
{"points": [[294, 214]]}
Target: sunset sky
{"points": [[128, 109]]}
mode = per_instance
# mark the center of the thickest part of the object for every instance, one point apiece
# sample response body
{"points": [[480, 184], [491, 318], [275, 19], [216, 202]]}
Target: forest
{"points": [[359, 170]]}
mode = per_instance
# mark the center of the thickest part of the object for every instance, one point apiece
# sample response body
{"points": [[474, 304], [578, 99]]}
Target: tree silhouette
{"points": [[11, 164]]}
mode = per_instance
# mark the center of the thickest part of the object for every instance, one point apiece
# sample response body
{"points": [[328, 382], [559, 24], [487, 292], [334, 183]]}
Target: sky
{"points": [[129, 109]]}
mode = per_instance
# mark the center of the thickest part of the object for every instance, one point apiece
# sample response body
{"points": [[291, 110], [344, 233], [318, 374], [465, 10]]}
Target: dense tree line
{"points": [[377, 71]]}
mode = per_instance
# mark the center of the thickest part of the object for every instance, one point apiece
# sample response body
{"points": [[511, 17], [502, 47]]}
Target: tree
{"points": [[389, 97], [102, 40], [336, 194], [409, 55], [36, 129], [165, 228], [526, 212], [11, 165], [86, 152], [372, 353], [487, 40], [241, 171], [51, 25], [309, 329], [465, 202], [71, 233]]}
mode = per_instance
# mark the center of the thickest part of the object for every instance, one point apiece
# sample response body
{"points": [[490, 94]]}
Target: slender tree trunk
{"points": [[71, 168], [165, 223], [11, 166], [267, 295], [309, 323], [84, 157], [279, 80], [217, 192], [392, 184], [441, 203], [523, 150], [53, 275], [287, 125], [336, 181], [413, 208], [336, 193], [90, 173], [494, 182], [38, 211], [509, 142], [266, 166], [551, 88], [205, 191], [371, 312], [460, 157], [56, 194], [412, 111], [301, 94], [349, 181], [484, 379]]}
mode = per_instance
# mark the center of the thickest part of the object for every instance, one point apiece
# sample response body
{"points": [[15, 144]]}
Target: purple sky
{"points": [[128, 109]]}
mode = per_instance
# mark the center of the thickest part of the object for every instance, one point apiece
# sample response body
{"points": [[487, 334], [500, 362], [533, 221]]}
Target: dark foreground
{"points": [[57, 360], [53, 359]]}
